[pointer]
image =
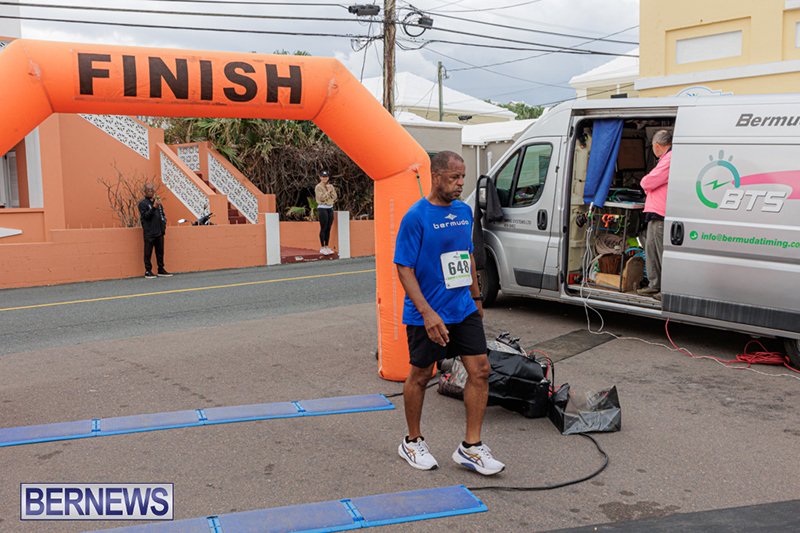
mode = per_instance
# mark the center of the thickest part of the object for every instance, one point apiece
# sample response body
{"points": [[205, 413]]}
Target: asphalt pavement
{"points": [[697, 436], [45, 317]]}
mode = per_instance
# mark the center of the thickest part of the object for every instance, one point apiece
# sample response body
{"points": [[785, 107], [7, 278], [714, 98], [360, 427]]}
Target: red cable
{"points": [[762, 357]]}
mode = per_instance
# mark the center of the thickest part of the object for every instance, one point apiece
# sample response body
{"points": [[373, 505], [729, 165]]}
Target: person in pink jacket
{"points": [[655, 209]]}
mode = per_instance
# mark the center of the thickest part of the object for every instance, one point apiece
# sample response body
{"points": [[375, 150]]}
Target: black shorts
{"points": [[466, 338]]}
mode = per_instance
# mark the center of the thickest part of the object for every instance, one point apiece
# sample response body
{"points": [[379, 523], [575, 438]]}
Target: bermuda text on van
{"points": [[747, 119]]}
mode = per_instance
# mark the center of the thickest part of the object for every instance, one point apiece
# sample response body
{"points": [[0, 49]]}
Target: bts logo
{"points": [[720, 186], [96, 501]]}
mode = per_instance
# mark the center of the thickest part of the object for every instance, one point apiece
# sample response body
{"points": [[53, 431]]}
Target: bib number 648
{"points": [[456, 269], [459, 267]]}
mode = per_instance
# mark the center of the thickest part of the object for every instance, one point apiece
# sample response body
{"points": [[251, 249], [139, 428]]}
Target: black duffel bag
{"points": [[517, 381]]}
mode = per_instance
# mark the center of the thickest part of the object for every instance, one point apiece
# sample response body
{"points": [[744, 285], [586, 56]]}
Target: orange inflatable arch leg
{"points": [[41, 78]]}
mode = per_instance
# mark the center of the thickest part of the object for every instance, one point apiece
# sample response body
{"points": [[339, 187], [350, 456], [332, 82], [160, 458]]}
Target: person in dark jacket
{"points": [[154, 226]]}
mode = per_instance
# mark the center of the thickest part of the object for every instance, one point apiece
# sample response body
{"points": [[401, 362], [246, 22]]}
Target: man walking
{"points": [[655, 209], [442, 312], [154, 226]]}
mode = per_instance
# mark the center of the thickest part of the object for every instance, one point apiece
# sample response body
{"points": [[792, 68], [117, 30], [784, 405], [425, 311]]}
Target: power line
{"points": [[575, 51], [180, 13], [555, 102], [531, 30], [190, 28], [490, 8], [540, 83], [535, 56], [556, 48], [448, 4], [284, 4], [285, 17], [496, 72]]}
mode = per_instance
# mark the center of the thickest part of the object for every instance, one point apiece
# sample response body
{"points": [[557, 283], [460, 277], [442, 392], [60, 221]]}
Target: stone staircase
{"points": [[234, 216]]}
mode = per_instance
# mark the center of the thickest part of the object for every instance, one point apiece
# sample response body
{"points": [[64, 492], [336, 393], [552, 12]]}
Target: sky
{"points": [[531, 75]]}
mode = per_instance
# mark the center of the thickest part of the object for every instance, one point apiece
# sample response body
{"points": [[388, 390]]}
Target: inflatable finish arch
{"points": [[41, 78]]}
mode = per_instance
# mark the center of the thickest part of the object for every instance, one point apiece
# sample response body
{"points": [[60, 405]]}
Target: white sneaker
{"points": [[479, 459], [417, 454], [322, 251]]}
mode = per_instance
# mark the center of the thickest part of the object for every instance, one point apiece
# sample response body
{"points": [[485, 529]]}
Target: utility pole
{"points": [[439, 75], [389, 30]]}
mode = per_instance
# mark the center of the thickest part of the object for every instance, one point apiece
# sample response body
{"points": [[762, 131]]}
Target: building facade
{"points": [[719, 47]]}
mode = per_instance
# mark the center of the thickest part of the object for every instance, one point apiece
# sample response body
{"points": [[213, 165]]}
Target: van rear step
{"points": [[614, 296]]}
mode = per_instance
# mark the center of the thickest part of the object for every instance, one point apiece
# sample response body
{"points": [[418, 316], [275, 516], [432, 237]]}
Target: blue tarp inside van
{"points": [[606, 137]]}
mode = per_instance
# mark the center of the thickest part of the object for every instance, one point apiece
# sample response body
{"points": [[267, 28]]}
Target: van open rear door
{"points": [[732, 230]]}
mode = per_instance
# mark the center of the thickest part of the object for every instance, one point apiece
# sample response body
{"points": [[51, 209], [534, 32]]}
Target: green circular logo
{"points": [[693, 235], [715, 183]]}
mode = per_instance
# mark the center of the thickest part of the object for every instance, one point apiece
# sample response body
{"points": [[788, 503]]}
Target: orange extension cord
{"points": [[763, 357]]}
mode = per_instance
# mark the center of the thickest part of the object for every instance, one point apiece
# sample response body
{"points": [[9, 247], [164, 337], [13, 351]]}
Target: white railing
{"points": [[191, 156], [124, 129], [183, 187], [238, 195]]}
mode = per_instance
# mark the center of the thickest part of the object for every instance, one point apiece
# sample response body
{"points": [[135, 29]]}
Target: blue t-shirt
{"points": [[426, 232]]}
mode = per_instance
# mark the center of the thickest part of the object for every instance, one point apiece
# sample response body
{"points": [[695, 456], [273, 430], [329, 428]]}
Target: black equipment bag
{"points": [[517, 381]]}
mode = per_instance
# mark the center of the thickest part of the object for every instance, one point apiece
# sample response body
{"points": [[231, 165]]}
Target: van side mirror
{"points": [[481, 195]]}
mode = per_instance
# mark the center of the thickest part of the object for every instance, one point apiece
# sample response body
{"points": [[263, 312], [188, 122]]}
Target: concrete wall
{"points": [[306, 235], [72, 255], [111, 253], [715, 43], [30, 221], [436, 137], [83, 154]]}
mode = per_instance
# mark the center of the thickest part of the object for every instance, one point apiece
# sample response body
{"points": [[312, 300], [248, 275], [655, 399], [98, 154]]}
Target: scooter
{"points": [[204, 220]]}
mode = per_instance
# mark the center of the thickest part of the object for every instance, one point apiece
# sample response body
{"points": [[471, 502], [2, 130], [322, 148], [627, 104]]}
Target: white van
{"points": [[732, 227]]}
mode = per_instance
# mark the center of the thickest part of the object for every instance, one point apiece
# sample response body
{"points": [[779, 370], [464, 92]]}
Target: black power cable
{"points": [[534, 488], [555, 485]]}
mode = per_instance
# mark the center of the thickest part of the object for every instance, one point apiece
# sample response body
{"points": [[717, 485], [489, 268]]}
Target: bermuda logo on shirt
{"points": [[451, 222], [720, 186]]}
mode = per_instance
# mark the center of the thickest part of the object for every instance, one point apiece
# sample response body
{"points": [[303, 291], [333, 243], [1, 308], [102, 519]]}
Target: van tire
{"points": [[793, 351], [489, 283]]}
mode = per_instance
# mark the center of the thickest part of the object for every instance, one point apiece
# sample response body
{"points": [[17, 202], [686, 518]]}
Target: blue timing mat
{"points": [[335, 515], [100, 427]]}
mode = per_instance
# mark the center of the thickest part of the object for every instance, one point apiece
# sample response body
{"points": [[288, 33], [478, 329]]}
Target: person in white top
{"points": [[326, 197]]}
